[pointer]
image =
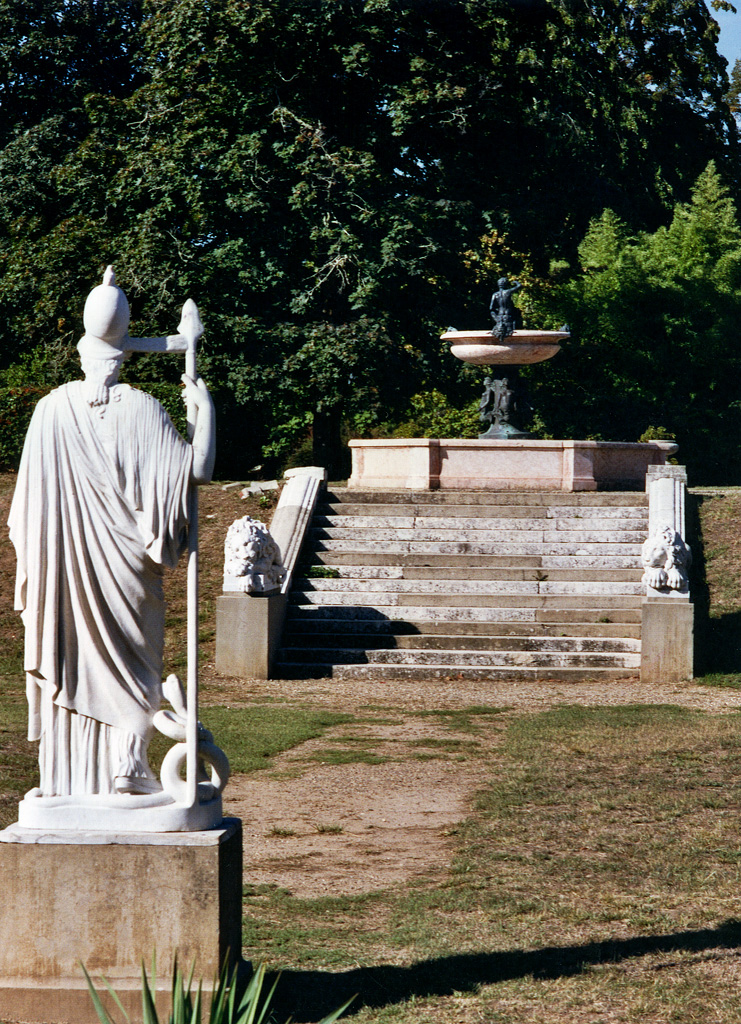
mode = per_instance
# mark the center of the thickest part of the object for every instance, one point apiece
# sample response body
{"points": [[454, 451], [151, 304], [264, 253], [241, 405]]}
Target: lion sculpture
{"points": [[665, 558], [252, 559]]}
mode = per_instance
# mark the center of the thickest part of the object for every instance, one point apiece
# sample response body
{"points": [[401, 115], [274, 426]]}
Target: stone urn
{"points": [[504, 401]]}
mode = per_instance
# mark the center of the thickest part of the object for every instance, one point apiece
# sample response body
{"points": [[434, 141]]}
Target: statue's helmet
{"points": [[106, 319]]}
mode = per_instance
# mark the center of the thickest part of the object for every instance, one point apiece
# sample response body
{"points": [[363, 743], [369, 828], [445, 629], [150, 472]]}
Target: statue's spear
{"points": [[191, 328]]}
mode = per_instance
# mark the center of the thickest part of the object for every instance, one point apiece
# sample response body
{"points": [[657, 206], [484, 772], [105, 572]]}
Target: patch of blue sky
{"points": [[730, 35]]}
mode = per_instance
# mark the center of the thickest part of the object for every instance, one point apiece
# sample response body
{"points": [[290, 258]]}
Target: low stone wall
{"points": [[525, 465]]}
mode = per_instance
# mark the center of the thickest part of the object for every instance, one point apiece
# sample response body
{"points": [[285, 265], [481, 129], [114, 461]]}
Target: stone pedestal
{"points": [[248, 632], [109, 901], [667, 640]]}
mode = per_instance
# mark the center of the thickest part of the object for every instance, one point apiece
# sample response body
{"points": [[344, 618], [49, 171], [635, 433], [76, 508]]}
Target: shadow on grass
{"points": [[720, 649], [309, 995], [717, 636]]}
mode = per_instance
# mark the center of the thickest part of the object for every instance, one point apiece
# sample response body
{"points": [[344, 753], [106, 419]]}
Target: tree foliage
{"points": [[654, 319], [313, 172]]}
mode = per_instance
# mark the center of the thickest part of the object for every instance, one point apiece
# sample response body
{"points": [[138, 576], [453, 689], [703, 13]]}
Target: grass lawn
{"points": [[594, 880]]}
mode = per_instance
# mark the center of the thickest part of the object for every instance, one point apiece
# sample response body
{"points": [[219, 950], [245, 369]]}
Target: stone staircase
{"points": [[475, 585]]}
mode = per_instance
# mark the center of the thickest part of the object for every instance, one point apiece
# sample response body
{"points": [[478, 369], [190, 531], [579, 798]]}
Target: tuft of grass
{"points": [[728, 680], [470, 719], [349, 755], [451, 746], [316, 572], [326, 829], [281, 833], [253, 736]]}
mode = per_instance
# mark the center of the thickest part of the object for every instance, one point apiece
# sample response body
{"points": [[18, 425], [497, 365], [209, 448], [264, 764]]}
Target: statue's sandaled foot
{"points": [[137, 784]]}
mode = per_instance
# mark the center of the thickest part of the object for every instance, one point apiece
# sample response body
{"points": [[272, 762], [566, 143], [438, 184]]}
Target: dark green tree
{"points": [[313, 173], [654, 319], [52, 55], [733, 96]]}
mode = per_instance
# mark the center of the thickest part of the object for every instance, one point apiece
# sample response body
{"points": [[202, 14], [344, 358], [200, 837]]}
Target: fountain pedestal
{"points": [[518, 465], [505, 458]]}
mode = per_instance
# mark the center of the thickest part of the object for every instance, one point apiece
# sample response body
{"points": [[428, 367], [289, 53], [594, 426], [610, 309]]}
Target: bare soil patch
{"points": [[317, 829], [349, 829]]}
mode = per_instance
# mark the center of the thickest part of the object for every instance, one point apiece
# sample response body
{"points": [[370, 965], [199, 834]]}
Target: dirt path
{"points": [[319, 828], [518, 696]]}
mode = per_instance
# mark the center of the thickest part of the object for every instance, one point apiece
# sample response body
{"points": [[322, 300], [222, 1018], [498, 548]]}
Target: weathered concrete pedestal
{"points": [[248, 632], [667, 640], [109, 901], [249, 625], [667, 615]]}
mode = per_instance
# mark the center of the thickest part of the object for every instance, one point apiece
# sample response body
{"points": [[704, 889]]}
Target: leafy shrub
{"points": [[431, 415], [226, 1005], [656, 434], [16, 408]]}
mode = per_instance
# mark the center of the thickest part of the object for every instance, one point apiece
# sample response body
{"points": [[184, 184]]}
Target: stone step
{"points": [[494, 511], [332, 642], [454, 659], [481, 593], [469, 585], [312, 623], [579, 499], [524, 526], [508, 610], [566, 547], [370, 674], [463, 562], [447, 572], [426, 673], [496, 536], [452, 587]]}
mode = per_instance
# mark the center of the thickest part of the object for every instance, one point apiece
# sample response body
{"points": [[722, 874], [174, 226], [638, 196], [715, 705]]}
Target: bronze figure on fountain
{"points": [[506, 316]]}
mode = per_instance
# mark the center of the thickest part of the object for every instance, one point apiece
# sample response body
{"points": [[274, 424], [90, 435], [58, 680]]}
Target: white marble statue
{"points": [[100, 510], [666, 559], [252, 562]]}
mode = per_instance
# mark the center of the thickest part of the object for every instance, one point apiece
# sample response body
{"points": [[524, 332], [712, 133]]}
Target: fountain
{"points": [[505, 456]]}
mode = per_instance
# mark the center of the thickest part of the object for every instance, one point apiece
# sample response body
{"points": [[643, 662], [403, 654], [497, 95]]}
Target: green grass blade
{"points": [[149, 1010], [268, 999], [250, 999], [179, 1011], [219, 997], [103, 1015], [331, 1017], [116, 1000], [195, 1017], [232, 1005], [188, 993]]}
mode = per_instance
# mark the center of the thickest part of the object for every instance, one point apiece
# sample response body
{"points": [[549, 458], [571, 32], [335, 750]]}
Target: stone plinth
{"points": [[667, 640], [248, 632], [521, 465], [109, 901], [249, 626]]}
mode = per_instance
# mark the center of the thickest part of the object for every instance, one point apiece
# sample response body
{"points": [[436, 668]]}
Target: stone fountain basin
{"points": [[520, 348]]}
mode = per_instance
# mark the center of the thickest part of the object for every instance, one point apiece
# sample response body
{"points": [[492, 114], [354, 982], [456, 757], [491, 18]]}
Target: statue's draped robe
{"points": [[100, 508]]}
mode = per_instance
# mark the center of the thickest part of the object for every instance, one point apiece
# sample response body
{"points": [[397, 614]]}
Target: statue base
{"points": [[153, 812], [504, 432], [109, 900]]}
